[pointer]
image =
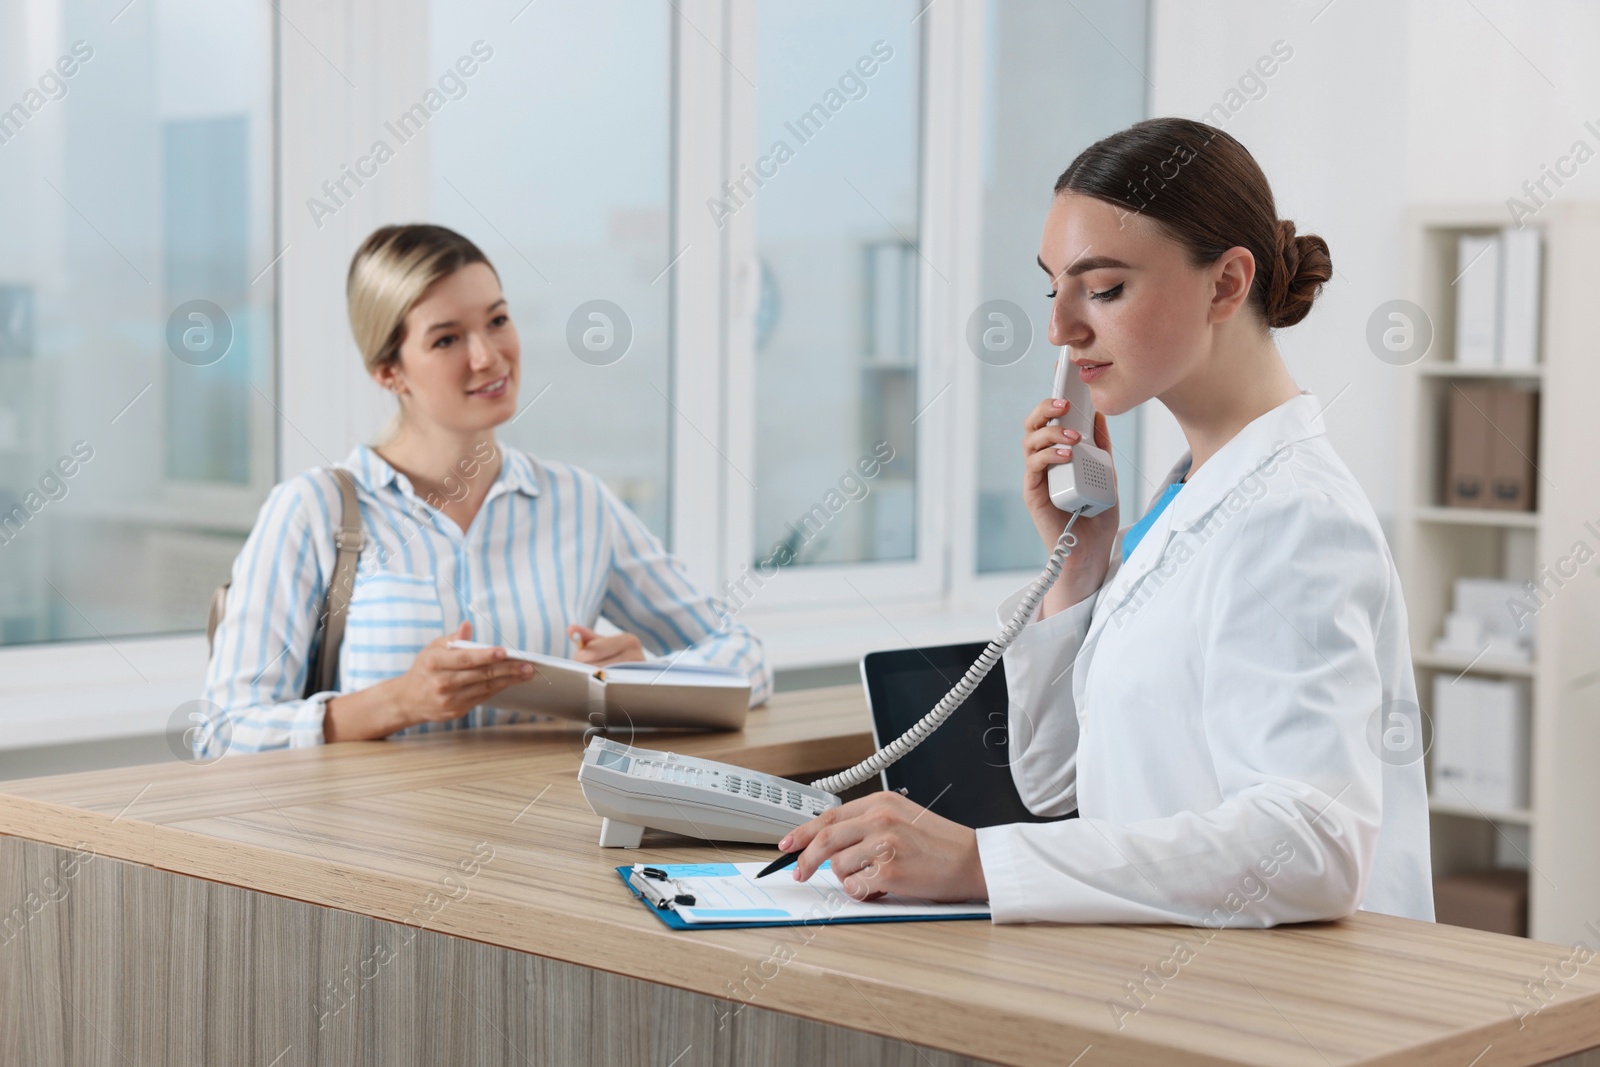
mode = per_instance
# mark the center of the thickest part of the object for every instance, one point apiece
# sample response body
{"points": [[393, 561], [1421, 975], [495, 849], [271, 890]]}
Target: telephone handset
{"points": [[1085, 484], [632, 788]]}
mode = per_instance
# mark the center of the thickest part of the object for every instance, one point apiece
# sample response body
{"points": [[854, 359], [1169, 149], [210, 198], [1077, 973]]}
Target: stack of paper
{"points": [[1491, 616]]}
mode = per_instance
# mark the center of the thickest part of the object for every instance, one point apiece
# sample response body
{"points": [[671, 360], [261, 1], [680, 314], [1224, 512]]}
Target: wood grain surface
{"points": [[214, 974], [485, 836]]}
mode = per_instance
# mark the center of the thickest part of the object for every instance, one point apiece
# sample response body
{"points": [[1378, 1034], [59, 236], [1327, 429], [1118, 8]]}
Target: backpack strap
{"points": [[323, 676]]}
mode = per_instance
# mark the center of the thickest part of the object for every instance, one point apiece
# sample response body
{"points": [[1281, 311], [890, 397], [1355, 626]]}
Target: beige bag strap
{"points": [[219, 604], [323, 676]]}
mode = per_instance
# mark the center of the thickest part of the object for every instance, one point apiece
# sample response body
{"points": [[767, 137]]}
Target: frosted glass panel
{"points": [[1052, 88], [837, 132], [136, 351], [555, 161]]}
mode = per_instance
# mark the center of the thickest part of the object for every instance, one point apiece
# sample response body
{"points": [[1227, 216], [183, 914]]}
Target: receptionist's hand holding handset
{"points": [[1051, 439], [636, 788]]}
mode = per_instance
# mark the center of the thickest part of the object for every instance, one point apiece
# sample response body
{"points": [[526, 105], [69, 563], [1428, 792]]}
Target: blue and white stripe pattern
{"points": [[551, 546]]}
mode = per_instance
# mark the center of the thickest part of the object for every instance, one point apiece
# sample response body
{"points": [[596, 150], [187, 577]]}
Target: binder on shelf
{"points": [[1502, 781], [1489, 454], [1455, 732], [1519, 298], [1467, 446], [1511, 449], [1495, 900], [1478, 299], [1480, 745]]}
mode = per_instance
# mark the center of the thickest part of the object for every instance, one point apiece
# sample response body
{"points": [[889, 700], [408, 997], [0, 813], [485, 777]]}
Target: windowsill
{"points": [[71, 691]]}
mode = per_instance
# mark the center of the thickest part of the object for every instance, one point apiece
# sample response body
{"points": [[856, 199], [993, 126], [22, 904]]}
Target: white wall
{"points": [[1381, 104]]}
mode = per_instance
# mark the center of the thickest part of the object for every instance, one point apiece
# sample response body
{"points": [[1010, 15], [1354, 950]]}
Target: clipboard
{"points": [[727, 896]]}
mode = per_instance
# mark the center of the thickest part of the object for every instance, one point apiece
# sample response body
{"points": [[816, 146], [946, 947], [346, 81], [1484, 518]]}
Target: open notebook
{"points": [[727, 895], [622, 695]]}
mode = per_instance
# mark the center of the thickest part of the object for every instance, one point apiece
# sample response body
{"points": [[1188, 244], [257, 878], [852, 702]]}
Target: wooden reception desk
{"points": [[443, 900]]}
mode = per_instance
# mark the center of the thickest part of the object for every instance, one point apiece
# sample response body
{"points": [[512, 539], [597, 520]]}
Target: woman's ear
{"points": [[388, 376], [1233, 273]]}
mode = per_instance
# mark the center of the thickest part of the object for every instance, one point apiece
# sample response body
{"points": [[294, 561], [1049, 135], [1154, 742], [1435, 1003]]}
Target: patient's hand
{"points": [[442, 683], [601, 649]]}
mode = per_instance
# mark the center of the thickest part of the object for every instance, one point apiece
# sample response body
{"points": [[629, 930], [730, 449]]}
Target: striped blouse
{"points": [[550, 546]]}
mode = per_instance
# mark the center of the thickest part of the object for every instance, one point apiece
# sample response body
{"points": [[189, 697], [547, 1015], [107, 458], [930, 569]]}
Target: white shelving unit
{"points": [[1558, 837]]}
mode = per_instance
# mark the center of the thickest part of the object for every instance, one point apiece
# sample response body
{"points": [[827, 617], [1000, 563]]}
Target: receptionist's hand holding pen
{"points": [[888, 843]]}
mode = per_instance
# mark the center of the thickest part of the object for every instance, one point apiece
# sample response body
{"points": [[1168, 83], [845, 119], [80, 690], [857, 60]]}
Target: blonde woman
{"points": [[463, 537]]}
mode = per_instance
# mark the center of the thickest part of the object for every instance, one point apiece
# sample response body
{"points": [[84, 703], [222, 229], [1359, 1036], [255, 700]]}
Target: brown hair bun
{"points": [[1302, 268]]}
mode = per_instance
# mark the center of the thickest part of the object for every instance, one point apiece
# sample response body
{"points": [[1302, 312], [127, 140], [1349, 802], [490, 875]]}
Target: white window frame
{"points": [[706, 379], [850, 587]]}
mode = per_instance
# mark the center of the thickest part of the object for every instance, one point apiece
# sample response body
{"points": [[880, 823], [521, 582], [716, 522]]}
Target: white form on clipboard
{"points": [[730, 893]]}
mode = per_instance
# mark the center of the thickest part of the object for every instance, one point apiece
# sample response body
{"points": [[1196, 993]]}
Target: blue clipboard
{"points": [[674, 920]]}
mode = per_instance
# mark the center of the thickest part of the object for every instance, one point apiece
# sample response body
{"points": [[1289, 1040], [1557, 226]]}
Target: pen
{"points": [[789, 857], [780, 863]]}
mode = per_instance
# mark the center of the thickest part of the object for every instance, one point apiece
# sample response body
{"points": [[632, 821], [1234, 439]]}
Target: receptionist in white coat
{"points": [[1215, 689]]}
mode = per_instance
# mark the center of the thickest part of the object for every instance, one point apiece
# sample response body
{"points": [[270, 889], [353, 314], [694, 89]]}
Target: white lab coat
{"points": [[1208, 711]]}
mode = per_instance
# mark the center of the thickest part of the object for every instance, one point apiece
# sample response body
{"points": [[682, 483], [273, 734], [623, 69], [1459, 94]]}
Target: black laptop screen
{"points": [[961, 771]]}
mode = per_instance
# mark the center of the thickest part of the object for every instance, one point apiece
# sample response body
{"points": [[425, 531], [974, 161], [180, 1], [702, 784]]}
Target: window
{"points": [[1039, 55], [741, 240], [553, 157], [834, 188], [137, 433]]}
